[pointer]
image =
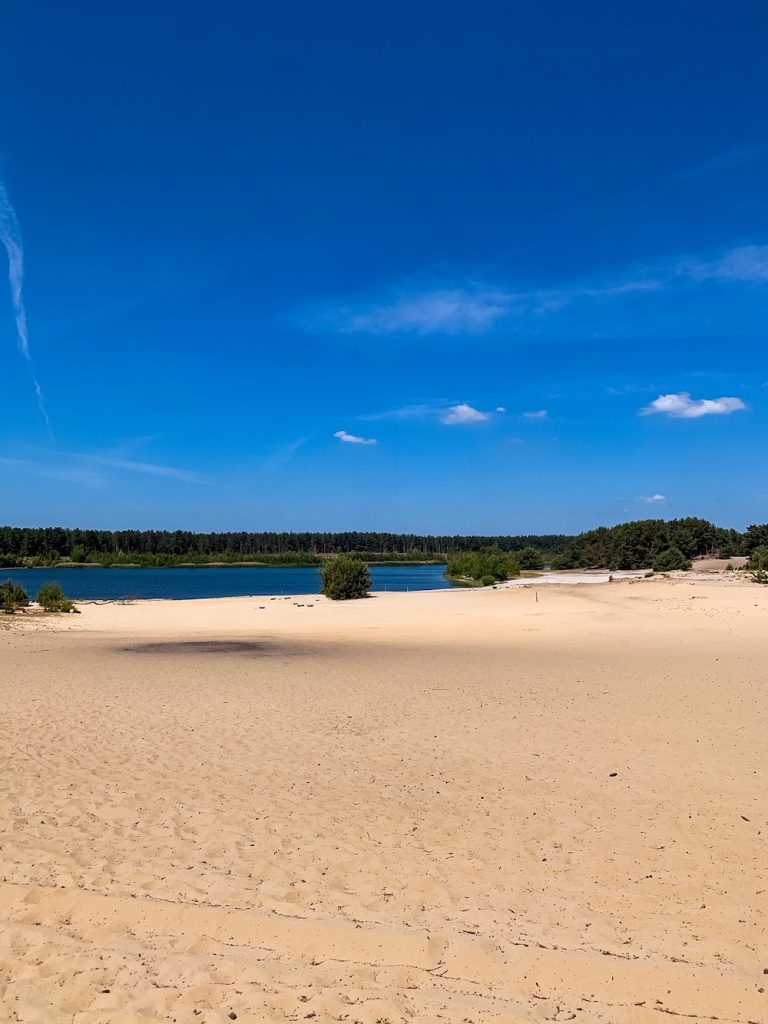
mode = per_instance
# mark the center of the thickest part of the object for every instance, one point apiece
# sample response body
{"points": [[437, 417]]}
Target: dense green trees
{"points": [[49, 545], [345, 577], [636, 545], [489, 565], [627, 546], [530, 558], [755, 537]]}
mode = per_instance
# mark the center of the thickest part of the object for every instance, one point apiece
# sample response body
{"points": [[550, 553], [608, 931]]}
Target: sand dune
{"points": [[467, 806]]}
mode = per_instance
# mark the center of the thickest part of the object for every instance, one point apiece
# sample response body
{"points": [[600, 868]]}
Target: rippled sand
{"points": [[462, 806]]}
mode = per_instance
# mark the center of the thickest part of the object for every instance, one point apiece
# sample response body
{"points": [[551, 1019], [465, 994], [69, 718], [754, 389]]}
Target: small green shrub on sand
{"points": [[51, 599], [12, 597], [670, 560], [758, 565], [343, 578]]}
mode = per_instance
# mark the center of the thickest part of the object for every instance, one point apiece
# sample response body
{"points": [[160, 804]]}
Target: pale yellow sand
{"points": [[401, 809]]}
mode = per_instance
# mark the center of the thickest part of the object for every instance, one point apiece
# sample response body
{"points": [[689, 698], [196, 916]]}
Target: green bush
{"points": [[12, 597], [487, 581], [344, 577], [758, 565], [758, 559], [670, 560], [530, 558], [476, 566], [50, 598], [564, 561]]}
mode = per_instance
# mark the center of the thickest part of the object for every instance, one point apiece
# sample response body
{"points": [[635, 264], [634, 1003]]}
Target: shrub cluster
{"points": [[671, 560], [758, 564], [51, 599], [484, 567], [345, 577], [12, 597]]}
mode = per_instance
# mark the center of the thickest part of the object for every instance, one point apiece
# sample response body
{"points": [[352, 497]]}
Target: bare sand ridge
{"points": [[463, 806]]}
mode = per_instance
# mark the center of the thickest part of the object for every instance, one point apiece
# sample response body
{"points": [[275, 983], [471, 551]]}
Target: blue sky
{"points": [[522, 248]]}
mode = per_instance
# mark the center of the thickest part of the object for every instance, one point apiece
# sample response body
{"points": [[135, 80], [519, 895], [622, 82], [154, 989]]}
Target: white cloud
{"points": [[538, 414], [654, 499], [682, 406], [463, 413], [353, 438], [500, 408]]}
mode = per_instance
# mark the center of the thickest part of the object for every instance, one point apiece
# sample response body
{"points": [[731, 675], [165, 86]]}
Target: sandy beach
{"points": [[471, 806]]}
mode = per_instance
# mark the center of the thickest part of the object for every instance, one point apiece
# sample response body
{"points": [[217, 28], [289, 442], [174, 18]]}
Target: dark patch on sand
{"points": [[246, 648]]}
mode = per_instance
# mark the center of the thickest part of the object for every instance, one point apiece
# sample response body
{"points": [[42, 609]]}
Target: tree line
{"points": [[631, 545], [50, 545]]}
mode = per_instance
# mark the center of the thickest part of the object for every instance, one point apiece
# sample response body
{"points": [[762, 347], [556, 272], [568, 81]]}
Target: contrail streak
{"points": [[11, 238]]}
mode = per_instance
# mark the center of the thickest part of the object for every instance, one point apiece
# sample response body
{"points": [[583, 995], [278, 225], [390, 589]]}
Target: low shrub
{"points": [[12, 597], [758, 559], [758, 565], [670, 560], [51, 599]]}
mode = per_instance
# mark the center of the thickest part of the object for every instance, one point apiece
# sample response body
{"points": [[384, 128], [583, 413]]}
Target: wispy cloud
{"points": [[722, 162], [631, 389], [10, 235], [354, 438], [88, 467], [459, 310], [654, 499], [283, 455], [53, 471], [681, 406], [132, 466], [464, 413], [475, 308], [415, 411], [747, 264], [442, 410], [539, 414]]}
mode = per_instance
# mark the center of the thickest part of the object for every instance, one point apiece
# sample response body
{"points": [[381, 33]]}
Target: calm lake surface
{"points": [[93, 584]]}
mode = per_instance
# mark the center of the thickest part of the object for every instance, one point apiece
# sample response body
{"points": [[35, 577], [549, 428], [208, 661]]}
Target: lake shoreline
{"points": [[214, 565]]}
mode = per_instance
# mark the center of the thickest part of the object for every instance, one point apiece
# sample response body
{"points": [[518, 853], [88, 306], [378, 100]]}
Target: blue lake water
{"points": [[93, 584]]}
